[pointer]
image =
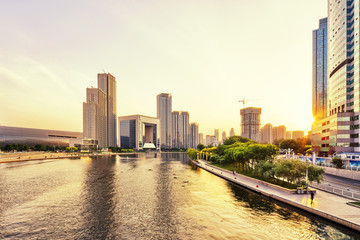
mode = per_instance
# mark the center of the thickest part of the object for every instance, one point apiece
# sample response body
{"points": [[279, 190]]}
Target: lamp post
{"points": [[307, 185]]}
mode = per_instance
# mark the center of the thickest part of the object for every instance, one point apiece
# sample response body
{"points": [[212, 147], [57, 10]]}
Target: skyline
{"points": [[202, 50]]}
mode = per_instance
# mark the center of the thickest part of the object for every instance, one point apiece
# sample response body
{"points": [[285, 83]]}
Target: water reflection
{"points": [[98, 199]]}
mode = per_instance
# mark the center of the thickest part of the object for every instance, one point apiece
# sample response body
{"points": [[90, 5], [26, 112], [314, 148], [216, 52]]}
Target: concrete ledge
{"points": [[319, 213], [355, 175]]}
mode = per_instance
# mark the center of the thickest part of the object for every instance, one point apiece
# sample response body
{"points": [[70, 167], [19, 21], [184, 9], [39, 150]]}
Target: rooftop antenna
{"points": [[104, 71]]}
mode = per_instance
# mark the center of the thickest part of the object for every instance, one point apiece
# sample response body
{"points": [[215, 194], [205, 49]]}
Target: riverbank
{"points": [[34, 156], [325, 205]]}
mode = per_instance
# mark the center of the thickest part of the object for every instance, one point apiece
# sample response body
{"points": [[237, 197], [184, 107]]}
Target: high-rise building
{"points": [[298, 134], [216, 134], [107, 83], [250, 123], [319, 98], [232, 132], [338, 131], [267, 133], [201, 138], [279, 132], [180, 129], [95, 116], [289, 135], [194, 135], [210, 140], [223, 137], [164, 110]]}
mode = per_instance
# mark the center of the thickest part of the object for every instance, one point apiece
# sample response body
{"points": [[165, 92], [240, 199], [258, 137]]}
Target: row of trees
{"points": [[299, 146], [24, 147], [259, 160]]}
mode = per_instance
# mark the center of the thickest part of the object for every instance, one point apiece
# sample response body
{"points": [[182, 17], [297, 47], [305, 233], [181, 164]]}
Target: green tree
{"points": [[337, 162], [200, 147], [71, 149], [289, 143], [234, 139], [315, 173], [192, 153]]}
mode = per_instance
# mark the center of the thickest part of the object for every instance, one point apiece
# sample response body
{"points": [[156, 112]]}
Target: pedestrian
{"points": [[312, 196]]}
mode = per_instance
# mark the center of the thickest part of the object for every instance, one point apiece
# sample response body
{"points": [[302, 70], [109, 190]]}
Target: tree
{"points": [[200, 147], [234, 139], [315, 173], [337, 162], [192, 153], [71, 149], [289, 143]]}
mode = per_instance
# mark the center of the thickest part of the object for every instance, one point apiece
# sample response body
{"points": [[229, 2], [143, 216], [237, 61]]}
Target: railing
{"points": [[337, 191]]}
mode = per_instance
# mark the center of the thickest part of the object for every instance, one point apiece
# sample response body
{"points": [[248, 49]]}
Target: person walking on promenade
{"points": [[312, 196]]}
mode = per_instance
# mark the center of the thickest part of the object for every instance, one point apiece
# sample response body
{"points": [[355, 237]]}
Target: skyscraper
{"points": [[107, 83], [223, 137], [250, 123], [216, 134], [95, 116], [338, 130], [279, 132], [194, 135], [180, 129], [267, 133], [232, 132], [201, 138], [319, 98], [164, 109]]}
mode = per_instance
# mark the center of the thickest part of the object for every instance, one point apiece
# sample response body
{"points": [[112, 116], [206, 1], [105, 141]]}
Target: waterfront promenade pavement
{"points": [[326, 205]]}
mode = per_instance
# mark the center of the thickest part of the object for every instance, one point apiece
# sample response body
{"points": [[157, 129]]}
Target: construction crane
{"points": [[243, 101]]}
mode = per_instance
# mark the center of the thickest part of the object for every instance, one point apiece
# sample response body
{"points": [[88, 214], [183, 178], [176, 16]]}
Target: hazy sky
{"points": [[207, 54]]}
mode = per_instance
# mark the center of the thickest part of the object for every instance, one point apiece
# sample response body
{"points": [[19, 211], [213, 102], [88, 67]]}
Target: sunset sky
{"points": [[207, 54]]}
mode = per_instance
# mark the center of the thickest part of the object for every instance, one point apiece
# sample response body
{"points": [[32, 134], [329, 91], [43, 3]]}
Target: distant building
{"points": [[99, 111], [164, 110], [266, 133], [232, 132], [180, 129], [139, 132], [107, 83], [216, 134], [223, 137], [210, 140], [279, 132], [201, 138], [298, 134], [250, 123], [95, 116], [194, 135], [33, 136], [289, 135]]}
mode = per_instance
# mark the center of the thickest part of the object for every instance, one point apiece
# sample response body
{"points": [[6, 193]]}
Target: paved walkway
{"points": [[327, 205]]}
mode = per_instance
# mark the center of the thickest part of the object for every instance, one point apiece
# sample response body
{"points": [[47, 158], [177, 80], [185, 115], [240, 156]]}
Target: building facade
{"points": [[216, 134], [232, 132], [107, 83], [139, 132], [164, 110], [319, 97], [194, 135], [201, 138], [338, 131], [279, 132], [223, 136], [250, 123], [95, 116], [180, 129], [298, 134], [267, 133], [33, 136]]}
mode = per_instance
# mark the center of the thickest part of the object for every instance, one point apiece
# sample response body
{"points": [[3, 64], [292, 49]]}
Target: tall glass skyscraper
{"points": [[338, 131], [164, 109], [319, 99], [107, 83]]}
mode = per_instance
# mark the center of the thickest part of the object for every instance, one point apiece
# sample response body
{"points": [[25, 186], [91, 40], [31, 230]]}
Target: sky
{"points": [[208, 54]]}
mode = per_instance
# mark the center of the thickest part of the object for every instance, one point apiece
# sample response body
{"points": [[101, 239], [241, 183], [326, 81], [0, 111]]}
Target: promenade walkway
{"points": [[326, 205]]}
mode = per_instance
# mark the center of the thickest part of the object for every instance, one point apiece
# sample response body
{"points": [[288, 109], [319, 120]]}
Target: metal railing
{"points": [[337, 190]]}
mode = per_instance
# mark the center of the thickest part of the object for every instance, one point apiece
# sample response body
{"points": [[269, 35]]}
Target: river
{"points": [[144, 196]]}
